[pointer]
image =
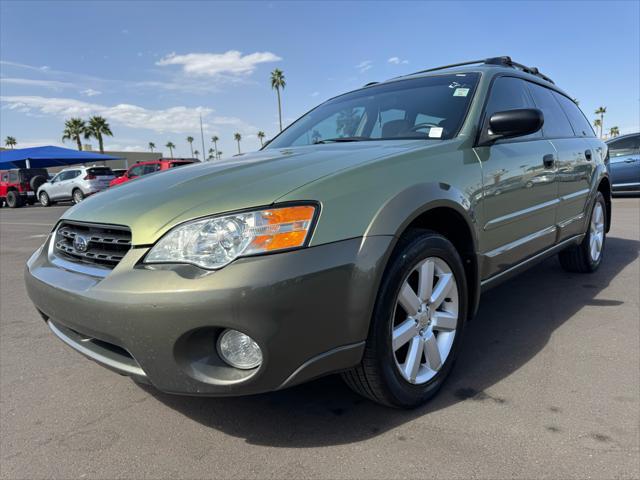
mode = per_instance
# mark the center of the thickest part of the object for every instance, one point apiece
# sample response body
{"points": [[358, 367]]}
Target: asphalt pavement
{"points": [[547, 386]]}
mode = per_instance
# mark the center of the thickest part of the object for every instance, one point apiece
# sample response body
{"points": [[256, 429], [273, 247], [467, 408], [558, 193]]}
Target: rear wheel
{"points": [[417, 324], [13, 199], [587, 256], [78, 196], [45, 201]]}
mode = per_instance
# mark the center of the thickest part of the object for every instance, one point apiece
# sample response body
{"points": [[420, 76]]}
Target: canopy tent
{"points": [[50, 156]]}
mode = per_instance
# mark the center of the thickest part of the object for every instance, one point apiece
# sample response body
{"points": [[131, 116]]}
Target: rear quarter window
{"points": [[99, 171], [179, 164]]}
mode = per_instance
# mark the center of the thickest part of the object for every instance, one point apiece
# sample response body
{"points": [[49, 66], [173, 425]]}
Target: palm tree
{"points": [[196, 153], [614, 132], [278, 82], [152, 146], [237, 137], [170, 146], [601, 111], [219, 154], [261, 136], [212, 153], [190, 140], [74, 128], [215, 139], [10, 142], [97, 127], [597, 124]]}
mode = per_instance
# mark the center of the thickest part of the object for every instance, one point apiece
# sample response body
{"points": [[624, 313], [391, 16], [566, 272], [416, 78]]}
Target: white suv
{"points": [[75, 184]]}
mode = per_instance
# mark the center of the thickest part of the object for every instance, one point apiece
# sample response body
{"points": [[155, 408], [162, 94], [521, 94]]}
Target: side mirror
{"points": [[513, 123]]}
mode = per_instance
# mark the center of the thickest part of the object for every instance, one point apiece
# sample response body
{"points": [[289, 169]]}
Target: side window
{"points": [[624, 146], [5, 177], [136, 171], [579, 122], [13, 177], [509, 93], [154, 167], [74, 174], [556, 123]]}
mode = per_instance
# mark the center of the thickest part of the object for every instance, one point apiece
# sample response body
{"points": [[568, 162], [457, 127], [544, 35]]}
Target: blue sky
{"points": [[152, 67]]}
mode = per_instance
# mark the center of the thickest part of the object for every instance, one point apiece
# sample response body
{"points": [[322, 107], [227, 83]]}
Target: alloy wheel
{"points": [[596, 232], [425, 320]]}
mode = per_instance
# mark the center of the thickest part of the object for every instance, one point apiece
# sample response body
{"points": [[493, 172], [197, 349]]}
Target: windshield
{"points": [[421, 108]]}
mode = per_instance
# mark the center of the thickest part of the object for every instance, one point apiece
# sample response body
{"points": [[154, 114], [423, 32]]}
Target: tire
{"points": [[13, 199], [586, 257], [381, 375], [77, 196], [45, 201], [36, 182]]}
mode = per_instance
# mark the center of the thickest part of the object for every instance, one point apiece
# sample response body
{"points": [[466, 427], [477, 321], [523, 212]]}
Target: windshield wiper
{"points": [[342, 139]]}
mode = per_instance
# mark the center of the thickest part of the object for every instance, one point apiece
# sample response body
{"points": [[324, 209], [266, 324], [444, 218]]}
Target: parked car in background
{"points": [[144, 168], [624, 163], [18, 186], [118, 172], [75, 184], [358, 241]]}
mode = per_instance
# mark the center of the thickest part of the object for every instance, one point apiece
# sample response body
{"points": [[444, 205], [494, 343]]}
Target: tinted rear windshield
{"points": [[178, 164], [99, 171], [420, 108]]}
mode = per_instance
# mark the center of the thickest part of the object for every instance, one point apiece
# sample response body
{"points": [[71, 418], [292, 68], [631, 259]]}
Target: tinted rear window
{"points": [[579, 122], [178, 164], [556, 123], [99, 171]]}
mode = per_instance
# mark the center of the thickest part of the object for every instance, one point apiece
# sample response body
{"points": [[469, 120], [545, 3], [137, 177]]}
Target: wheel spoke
{"points": [[408, 299], [403, 333], [432, 353], [444, 321], [598, 242], [425, 284], [414, 358], [441, 290]]}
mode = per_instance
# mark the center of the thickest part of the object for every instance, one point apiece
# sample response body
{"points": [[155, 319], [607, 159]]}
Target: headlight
{"points": [[216, 241]]}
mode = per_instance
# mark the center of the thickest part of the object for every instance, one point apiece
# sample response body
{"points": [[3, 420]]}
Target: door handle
{"points": [[587, 154], [548, 160]]}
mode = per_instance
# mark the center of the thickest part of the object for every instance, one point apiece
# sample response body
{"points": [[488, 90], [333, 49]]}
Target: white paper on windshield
{"points": [[461, 92], [435, 132]]}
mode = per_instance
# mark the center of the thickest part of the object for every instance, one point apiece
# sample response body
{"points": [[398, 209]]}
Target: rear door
{"points": [[624, 158], [519, 186], [577, 166], [57, 184], [67, 183]]}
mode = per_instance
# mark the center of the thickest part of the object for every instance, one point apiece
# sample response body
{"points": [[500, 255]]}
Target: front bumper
{"points": [[309, 311]]}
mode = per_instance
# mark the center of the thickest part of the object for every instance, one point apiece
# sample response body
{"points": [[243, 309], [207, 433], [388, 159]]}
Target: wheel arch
{"points": [[604, 187], [443, 209]]}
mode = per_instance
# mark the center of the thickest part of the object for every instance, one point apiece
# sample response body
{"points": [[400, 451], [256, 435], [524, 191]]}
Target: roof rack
{"points": [[504, 61]]}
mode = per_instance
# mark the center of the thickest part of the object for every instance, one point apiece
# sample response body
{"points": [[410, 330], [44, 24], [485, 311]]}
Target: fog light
{"points": [[239, 350]]}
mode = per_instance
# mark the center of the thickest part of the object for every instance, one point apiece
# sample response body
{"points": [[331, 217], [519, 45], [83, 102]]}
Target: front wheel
{"points": [[587, 256], [417, 323], [78, 196], [13, 199]]}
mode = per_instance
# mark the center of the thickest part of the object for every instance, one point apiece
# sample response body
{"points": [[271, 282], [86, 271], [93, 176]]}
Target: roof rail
{"points": [[503, 61]]}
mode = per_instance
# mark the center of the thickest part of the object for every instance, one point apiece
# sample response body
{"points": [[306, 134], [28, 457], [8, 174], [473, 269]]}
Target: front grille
{"points": [[92, 244]]}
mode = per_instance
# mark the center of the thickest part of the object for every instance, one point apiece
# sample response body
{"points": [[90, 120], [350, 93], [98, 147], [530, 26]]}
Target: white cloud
{"points": [[29, 82], [90, 92], [364, 66], [397, 61], [175, 119], [315, 94], [215, 64]]}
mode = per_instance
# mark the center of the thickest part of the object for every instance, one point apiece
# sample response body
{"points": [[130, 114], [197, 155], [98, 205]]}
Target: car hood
{"points": [[153, 204]]}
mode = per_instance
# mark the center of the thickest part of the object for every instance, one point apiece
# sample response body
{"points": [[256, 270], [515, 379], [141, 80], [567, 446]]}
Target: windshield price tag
{"points": [[435, 132], [461, 92]]}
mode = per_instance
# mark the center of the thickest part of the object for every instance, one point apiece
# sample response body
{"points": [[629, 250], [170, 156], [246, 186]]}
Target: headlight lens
{"points": [[214, 242]]}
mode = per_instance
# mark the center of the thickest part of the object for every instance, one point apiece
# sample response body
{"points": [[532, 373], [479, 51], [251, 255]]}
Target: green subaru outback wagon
{"points": [[357, 241]]}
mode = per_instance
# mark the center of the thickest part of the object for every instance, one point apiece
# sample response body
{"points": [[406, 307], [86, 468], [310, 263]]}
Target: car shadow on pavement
{"points": [[515, 322]]}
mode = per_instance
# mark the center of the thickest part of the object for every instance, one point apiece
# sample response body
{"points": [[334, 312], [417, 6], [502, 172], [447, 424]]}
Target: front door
{"points": [[519, 186]]}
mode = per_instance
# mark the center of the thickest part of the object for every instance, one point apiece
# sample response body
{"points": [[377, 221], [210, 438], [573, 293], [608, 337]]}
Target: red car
{"points": [[18, 186], [144, 168]]}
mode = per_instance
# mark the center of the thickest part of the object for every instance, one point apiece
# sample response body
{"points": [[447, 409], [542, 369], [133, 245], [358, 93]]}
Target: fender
{"points": [[395, 215]]}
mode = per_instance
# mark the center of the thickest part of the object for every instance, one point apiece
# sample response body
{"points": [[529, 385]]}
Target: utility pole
{"points": [[202, 138]]}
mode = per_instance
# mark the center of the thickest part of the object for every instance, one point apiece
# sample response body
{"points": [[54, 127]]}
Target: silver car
{"points": [[75, 184], [624, 155]]}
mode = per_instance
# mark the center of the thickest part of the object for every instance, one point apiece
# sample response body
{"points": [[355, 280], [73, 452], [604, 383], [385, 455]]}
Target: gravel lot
{"points": [[547, 386]]}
